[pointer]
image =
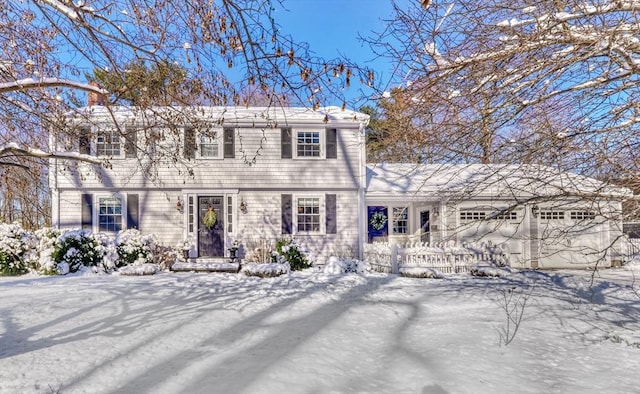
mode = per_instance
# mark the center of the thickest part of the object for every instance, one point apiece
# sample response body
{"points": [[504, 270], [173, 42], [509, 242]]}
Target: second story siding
{"points": [[293, 148]]}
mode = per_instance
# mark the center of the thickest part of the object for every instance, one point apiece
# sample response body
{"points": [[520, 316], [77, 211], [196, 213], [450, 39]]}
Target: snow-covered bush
{"points": [[259, 252], [46, 241], [76, 248], [135, 248], [336, 265], [166, 256], [17, 249], [108, 251], [289, 251], [421, 272], [266, 270]]}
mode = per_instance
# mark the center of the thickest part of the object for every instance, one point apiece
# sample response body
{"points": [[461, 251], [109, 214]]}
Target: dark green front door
{"points": [[210, 236]]}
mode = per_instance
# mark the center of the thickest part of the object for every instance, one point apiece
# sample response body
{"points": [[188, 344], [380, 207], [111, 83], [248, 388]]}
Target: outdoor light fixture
{"points": [[535, 210], [243, 206], [179, 206]]}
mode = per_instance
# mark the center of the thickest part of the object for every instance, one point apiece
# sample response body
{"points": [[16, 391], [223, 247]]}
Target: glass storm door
{"points": [[210, 232], [424, 225]]}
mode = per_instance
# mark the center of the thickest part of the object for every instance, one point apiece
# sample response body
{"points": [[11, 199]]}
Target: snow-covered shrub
{"points": [[289, 251], [265, 270], [166, 256], [420, 272], [337, 265], [46, 240], [17, 249], [259, 252], [108, 251], [135, 248], [76, 248]]}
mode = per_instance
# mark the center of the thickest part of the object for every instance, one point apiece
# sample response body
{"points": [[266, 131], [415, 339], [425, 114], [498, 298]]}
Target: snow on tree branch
{"points": [[13, 149], [69, 12], [31, 83]]}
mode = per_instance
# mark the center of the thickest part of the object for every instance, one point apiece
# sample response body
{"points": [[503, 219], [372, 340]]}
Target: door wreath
{"points": [[210, 218], [378, 220]]}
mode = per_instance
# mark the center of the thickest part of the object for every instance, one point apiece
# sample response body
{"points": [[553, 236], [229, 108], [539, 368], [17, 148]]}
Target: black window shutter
{"points": [[189, 143], [130, 144], [86, 201], [285, 143], [84, 141], [332, 143], [229, 143], [331, 219], [133, 216], [287, 214]]}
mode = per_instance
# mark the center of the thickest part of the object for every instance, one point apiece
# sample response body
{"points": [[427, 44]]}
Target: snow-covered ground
{"points": [[310, 332]]}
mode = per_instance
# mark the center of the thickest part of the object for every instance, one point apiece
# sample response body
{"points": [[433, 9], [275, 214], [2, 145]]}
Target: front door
{"points": [[424, 225], [210, 226]]}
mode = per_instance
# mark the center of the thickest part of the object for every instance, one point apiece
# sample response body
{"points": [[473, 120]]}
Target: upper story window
{"points": [[209, 145], [110, 214], [108, 143], [308, 144]]}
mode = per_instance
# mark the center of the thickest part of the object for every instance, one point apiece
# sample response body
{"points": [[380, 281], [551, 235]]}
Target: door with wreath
{"points": [[210, 226], [378, 223]]}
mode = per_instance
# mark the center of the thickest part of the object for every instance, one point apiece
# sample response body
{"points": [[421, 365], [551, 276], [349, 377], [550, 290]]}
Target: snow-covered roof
{"points": [[274, 115], [483, 180]]}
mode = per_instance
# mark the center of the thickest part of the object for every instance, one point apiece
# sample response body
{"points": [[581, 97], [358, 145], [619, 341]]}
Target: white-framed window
{"points": [[209, 144], [505, 215], [582, 215], [400, 220], [109, 143], [109, 213], [309, 144], [472, 216], [308, 215], [552, 215]]}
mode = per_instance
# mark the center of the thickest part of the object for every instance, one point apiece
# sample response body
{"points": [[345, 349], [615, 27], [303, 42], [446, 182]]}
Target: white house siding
{"points": [[263, 221], [157, 211], [257, 175]]}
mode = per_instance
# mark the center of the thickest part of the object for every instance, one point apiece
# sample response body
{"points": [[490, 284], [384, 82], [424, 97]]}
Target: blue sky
{"points": [[331, 28]]}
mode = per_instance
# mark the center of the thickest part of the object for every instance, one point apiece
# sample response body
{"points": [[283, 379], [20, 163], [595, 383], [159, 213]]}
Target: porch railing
{"points": [[447, 258]]}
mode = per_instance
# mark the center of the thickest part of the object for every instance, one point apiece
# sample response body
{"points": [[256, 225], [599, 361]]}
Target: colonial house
{"points": [[255, 175]]}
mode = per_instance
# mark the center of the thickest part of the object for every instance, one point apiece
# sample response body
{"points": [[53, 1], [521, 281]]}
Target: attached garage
{"points": [[542, 217]]}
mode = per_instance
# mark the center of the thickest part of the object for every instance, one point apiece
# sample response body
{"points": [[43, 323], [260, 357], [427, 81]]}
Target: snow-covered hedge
{"points": [[49, 251], [135, 248], [17, 249], [336, 265]]}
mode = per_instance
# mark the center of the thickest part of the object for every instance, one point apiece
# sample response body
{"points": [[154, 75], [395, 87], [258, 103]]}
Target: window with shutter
{"points": [[87, 211], [331, 213], [287, 213], [133, 213], [229, 143], [286, 143], [84, 141], [332, 143], [189, 143]]}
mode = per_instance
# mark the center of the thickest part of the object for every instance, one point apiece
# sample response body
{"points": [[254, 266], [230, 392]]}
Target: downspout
{"points": [[362, 214]]}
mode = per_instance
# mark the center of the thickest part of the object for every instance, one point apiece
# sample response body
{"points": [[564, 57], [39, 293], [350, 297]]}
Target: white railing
{"points": [[447, 258]]}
